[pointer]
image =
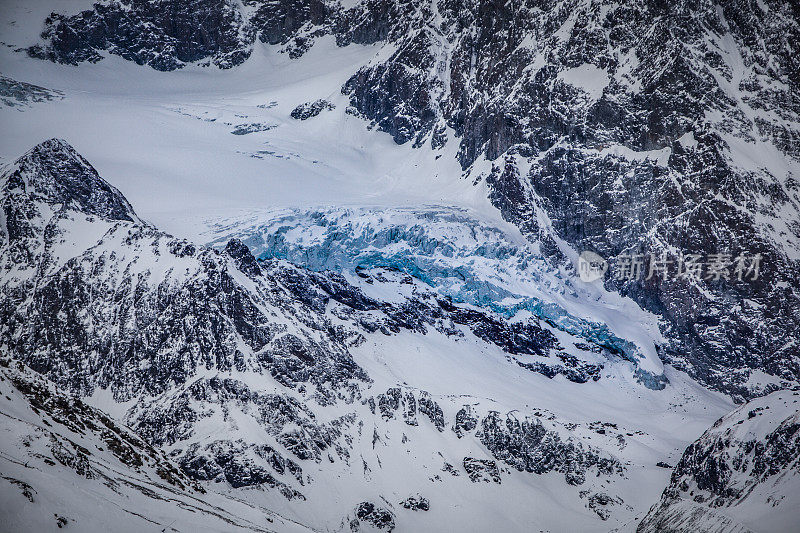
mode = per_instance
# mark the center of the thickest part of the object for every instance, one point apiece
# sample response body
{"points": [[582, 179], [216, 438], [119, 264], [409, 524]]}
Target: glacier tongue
{"points": [[459, 256]]}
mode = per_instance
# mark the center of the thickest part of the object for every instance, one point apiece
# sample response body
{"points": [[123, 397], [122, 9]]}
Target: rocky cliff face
{"points": [[631, 128], [164, 36], [741, 475]]}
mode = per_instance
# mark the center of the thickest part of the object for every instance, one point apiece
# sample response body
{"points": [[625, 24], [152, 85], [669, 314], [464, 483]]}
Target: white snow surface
{"points": [[587, 77], [164, 138]]}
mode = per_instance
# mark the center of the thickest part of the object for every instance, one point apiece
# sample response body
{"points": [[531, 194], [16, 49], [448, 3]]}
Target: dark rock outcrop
{"points": [[529, 446], [416, 503], [373, 515], [311, 109], [164, 35], [480, 470]]}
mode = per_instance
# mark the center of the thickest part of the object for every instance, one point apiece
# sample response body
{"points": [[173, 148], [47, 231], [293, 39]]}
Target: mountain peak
{"points": [[54, 172]]}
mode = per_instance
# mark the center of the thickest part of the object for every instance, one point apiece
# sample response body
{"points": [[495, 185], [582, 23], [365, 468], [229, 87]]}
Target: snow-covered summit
{"points": [[54, 173]]}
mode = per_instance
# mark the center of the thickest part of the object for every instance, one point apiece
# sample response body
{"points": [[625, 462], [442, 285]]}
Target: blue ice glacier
{"points": [[458, 256]]}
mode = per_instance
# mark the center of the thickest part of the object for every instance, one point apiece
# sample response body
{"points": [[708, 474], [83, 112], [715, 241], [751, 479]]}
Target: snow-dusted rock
{"points": [[743, 474], [68, 465]]}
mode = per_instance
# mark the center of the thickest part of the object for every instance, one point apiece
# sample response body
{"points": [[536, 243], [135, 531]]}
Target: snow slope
{"points": [[67, 465]]}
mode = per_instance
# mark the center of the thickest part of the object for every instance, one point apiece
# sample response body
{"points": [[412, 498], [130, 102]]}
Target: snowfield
{"points": [[181, 160]]}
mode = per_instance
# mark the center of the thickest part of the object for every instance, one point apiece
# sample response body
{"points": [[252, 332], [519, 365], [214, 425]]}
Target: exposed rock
{"points": [[394, 399], [431, 409], [573, 369], [481, 470], [416, 503], [529, 446], [311, 109], [600, 503], [164, 36], [15, 93], [254, 127], [243, 258], [373, 515], [741, 474], [465, 421]]}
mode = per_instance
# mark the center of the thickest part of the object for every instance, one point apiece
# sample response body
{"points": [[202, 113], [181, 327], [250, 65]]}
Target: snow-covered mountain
{"points": [[290, 382], [741, 475], [67, 465], [347, 297], [264, 374], [617, 127]]}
